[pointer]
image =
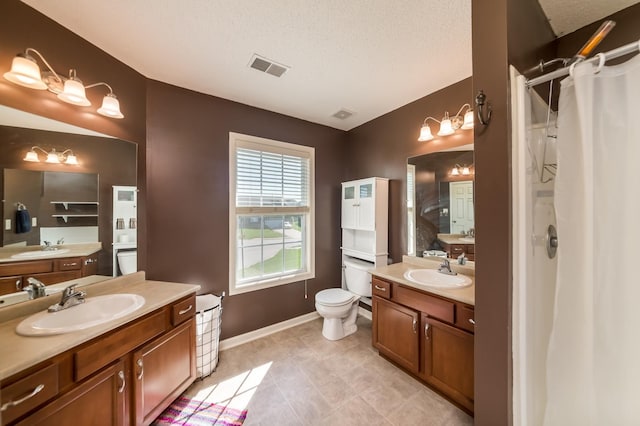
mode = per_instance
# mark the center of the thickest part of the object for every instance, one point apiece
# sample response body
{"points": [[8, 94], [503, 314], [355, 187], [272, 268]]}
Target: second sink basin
{"points": [[94, 311], [433, 278]]}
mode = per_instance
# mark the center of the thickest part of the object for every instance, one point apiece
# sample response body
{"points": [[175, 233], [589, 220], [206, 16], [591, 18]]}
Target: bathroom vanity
{"points": [[17, 264], [456, 244], [427, 331], [125, 371]]}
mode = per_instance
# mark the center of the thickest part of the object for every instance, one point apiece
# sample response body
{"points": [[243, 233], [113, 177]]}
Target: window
{"points": [[271, 213]]}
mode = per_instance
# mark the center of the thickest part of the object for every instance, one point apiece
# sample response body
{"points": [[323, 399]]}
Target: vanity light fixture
{"points": [[459, 170], [448, 126], [25, 72], [53, 157]]}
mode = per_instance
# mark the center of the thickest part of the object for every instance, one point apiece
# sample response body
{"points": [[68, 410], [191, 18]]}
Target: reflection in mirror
{"points": [[70, 203], [440, 213]]}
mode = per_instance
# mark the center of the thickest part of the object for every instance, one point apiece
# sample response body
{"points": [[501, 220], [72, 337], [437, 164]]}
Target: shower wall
{"points": [[534, 166]]}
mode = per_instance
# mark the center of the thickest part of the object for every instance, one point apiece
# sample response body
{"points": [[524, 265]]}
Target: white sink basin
{"points": [[468, 239], [433, 278], [37, 254], [94, 311]]}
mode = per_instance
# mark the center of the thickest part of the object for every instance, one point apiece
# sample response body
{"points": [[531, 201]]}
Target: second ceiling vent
{"points": [[263, 64]]}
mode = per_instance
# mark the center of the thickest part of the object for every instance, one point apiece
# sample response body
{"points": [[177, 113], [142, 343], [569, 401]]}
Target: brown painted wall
{"points": [[188, 199], [381, 148]]}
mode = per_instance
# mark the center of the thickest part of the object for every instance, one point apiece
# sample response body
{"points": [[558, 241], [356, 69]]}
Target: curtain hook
{"points": [[571, 67], [601, 60]]}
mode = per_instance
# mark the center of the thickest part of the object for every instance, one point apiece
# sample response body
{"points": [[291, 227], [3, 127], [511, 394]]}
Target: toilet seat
{"points": [[335, 297]]}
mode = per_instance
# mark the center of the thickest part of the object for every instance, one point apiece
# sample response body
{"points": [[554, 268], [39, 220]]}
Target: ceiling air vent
{"points": [[343, 114], [263, 64]]}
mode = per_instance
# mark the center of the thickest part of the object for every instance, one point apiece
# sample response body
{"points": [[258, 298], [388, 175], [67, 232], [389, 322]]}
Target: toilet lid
{"points": [[334, 297]]}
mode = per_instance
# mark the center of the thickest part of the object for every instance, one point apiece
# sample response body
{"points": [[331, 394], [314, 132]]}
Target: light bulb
{"points": [[25, 72], [468, 120], [425, 133], [110, 107], [73, 92], [446, 128], [52, 157], [31, 156]]}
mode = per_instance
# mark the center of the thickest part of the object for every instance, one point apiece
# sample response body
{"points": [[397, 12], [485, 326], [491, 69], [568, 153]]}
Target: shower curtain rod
{"points": [[612, 54]]}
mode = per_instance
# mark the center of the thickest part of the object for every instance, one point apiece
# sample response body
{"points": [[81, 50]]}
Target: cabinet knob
{"points": [[426, 331], [472, 321], [122, 380], [141, 367], [415, 324]]}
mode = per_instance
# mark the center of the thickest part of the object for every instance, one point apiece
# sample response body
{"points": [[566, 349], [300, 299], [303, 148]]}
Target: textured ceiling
{"points": [[566, 16], [366, 56]]}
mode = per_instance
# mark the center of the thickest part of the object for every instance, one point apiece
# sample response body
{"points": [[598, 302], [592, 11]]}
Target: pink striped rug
{"points": [[191, 412]]}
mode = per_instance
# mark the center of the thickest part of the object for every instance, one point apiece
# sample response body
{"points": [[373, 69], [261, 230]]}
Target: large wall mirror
{"points": [[44, 189], [440, 204]]}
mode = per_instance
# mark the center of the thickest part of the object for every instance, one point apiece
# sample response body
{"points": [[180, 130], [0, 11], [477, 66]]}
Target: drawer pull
{"points": [[472, 321], [70, 264], [141, 367], [33, 393], [380, 288], [90, 261], [18, 286], [124, 382], [415, 323], [426, 331], [184, 311]]}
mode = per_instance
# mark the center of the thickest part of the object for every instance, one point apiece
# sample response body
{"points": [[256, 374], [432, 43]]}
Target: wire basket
{"points": [[207, 339]]}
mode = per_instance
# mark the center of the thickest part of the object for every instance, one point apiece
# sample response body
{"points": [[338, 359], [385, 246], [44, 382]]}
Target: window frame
{"points": [[239, 140]]}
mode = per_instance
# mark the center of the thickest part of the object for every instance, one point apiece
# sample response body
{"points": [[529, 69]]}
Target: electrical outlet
{"points": [[7, 224], [34, 221]]}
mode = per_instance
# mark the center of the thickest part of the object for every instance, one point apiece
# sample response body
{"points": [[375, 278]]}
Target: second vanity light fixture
{"points": [[459, 170], [448, 126], [53, 156], [26, 72]]}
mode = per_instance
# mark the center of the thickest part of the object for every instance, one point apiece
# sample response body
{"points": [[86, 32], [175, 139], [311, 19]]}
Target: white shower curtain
{"points": [[593, 363]]}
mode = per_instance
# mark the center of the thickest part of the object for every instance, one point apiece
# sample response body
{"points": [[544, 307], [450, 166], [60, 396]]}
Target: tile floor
{"points": [[296, 377]]}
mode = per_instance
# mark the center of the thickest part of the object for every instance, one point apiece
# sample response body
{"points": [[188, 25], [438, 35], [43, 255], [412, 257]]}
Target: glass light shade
{"points": [[465, 171], [71, 159], [31, 156], [425, 133], [110, 107], [73, 93], [25, 72], [468, 120], [455, 171], [446, 128], [52, 157]]}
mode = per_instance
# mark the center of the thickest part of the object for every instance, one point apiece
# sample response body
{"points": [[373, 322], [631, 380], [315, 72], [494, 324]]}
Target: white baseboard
{"points": [[364, 313], [240, 339]]}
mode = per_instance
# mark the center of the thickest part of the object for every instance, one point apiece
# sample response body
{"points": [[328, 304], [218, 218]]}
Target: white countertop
{"points": [[19, 352], [395, 272], [454, 239], [73, 250]]}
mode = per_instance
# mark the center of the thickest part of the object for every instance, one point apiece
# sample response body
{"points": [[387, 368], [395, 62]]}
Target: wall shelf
{"points": [[66, 217], [66, 203]]}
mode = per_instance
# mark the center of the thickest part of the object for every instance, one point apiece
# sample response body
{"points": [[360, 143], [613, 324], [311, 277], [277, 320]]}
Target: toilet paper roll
{"points": [[207, 301]]}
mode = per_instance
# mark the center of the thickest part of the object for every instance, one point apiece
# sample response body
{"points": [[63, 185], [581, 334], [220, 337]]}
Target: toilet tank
{"points": [[357, 276]]}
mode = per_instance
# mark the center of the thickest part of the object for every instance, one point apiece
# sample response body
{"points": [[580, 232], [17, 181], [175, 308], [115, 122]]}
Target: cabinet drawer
{"points": [[457, 249], [68, 264], [465, 318], [182, 311], [380, 288], [470, 248], [113, 346], [29, 392], [24, 268], [432, 306], [10, 285]]}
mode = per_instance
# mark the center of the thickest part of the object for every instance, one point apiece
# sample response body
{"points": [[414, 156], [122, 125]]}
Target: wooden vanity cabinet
{"points": [[455, 250], [428, 335], [14, 275], [127, 376]]}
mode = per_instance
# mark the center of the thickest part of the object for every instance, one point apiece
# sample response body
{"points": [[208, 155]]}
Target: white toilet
{"points": [[340, 307], [128, 261]]}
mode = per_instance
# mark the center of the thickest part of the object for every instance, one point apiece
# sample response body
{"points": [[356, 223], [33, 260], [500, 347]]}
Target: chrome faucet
{"points": [[70, 297], [35, 288], [445, 268]]}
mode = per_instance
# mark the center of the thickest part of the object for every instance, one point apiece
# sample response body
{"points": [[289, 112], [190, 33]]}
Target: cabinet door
{"points": [[163, 369], [98, 401], [447, 360], [349, 206], [366, 206], [395, 333]]}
